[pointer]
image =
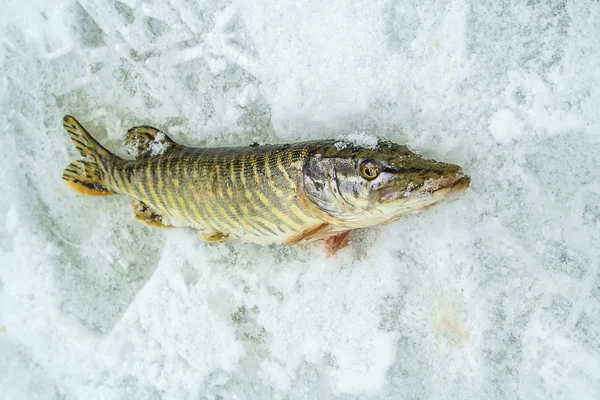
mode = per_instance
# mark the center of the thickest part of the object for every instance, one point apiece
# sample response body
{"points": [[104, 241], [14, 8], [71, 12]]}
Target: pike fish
{"points": [[287, 193]]}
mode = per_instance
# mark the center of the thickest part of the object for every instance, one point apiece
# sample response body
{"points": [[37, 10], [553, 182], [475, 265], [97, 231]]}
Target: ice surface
{"points": [[495, 296]]}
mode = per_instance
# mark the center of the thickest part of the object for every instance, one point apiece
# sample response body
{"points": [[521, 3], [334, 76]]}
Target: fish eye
{"points": [[369, 169]]}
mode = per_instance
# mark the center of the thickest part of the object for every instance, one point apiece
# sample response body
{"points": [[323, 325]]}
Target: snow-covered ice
{"points": [[494, 296]]}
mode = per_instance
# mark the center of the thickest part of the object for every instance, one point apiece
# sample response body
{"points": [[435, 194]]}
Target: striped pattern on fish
{"points": [[285, 193]]}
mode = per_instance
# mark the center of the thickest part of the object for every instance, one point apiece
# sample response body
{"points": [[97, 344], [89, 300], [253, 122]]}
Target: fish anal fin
{"points": [[148, 141], [148, 216], [215, 237], [85, 178], [319, 231]]}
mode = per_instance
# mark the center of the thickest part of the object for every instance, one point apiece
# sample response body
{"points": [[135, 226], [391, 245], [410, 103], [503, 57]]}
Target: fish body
{"points": [[287, 193], [247, 193]]}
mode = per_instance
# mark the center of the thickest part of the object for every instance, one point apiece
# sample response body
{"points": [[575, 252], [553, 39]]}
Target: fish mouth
{"points": [[456, 183]]}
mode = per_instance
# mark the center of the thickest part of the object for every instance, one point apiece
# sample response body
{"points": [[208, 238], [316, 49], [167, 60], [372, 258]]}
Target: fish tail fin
{"points": [[88, 177]]}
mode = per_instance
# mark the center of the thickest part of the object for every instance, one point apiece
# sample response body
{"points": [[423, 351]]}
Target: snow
{"points": [[505, 126], [158, 145], [495, 295], [357, 139]]}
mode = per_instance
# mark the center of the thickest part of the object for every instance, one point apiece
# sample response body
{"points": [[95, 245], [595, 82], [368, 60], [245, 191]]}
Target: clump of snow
{"points": [[409, 189], [505, 126], [494, 296], [132, 149], [425, 190], [159, 144], [357, 139]]}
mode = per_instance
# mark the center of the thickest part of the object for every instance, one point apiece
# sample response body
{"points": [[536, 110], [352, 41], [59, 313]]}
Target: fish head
{"points": [[357, 186]]}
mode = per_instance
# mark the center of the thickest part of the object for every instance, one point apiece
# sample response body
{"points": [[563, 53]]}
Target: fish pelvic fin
{"points": [[149, 216], [88, 177]]}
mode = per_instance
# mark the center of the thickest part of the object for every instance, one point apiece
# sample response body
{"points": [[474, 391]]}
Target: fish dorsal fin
{"points": [[148, 141]]}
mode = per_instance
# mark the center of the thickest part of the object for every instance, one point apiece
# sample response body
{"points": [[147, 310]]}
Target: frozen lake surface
{"points": [[494, 296]]}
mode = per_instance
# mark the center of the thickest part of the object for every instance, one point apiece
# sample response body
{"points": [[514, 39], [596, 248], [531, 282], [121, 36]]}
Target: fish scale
{"points": [[229, 176]]}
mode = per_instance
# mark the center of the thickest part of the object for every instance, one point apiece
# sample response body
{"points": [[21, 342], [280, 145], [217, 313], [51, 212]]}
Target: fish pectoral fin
{"points": [[215, 237], [335, 238], [145, 140], [149, 216], [309, 234], [335, 243]]}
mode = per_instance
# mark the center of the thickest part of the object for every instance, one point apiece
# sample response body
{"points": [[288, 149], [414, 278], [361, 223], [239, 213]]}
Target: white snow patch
{"points": [[159, 145], [357, 139], [505, 126]]}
